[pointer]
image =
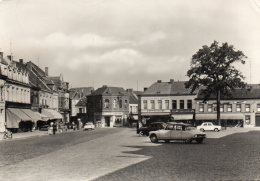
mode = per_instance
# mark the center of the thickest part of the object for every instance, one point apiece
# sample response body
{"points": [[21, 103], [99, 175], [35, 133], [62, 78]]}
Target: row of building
{"points": [[171, 101], [29, 97]]}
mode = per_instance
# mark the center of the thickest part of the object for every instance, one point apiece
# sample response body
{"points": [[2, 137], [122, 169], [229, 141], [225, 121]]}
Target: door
{"points": [[107, 121], [257, 121], [176, 132], [167, 132], [210, 127]]}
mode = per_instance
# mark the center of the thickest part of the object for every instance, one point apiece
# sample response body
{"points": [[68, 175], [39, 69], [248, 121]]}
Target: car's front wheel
{"points": [[153, 138], [216, 130], [199, 140]]}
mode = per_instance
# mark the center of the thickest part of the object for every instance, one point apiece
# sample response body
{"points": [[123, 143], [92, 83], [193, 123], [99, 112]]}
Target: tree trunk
{"points": [[218, 107]]}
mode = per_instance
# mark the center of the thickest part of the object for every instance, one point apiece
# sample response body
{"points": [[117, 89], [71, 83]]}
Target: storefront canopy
{"points": [[183, 116], [43, 117], [223, 116], [14, 116], [52, 114], [35, 117], [155, 114]]}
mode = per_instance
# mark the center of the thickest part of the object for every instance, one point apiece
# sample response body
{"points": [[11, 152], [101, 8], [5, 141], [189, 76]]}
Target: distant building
{"points": [[77, 95], [167, 101], [108, 106], [241, 108], [78, 104], [133, 106]]}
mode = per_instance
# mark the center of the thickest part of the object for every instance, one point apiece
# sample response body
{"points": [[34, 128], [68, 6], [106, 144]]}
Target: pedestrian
{"points": [[54, 128], [73, 126]]}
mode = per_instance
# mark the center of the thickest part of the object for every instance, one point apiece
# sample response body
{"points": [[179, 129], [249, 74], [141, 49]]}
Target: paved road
{"points": [[119, 154]]}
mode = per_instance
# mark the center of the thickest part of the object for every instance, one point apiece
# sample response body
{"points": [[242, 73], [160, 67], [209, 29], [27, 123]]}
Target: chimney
{"points": [[104, 86], [145, 88], [159, 81], [171, 81], [21, 61], [10, 57], [1, 54], [47, 71]]}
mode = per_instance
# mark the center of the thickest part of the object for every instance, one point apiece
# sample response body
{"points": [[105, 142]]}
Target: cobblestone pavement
{"points": [[119, 154]]}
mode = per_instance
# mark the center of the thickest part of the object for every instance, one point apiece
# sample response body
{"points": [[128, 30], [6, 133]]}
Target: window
{"points": [[229, 108], [159, 104], [152, 104], [189, 104], [201, 107], [181, 104], [258, 107], [80, 110], [247, 107], [221, 108], [167, 104], [247, 119], [214, 107], [126, 104], [145, 104], [114, 103], [120, 103], [106, 103], [210, 107], [174, 104], [238, 107]]}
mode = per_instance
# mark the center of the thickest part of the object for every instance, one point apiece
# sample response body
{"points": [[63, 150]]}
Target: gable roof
{"points": [[105, 90], [168, 88], [79, 92], [247, 93], [82, 102]]}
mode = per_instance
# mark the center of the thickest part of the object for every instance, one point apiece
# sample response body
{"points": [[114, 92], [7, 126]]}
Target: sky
{"points": [[130, 44]]}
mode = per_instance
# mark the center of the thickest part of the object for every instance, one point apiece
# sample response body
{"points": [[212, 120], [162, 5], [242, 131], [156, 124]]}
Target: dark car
{"points": [[151, 127]]}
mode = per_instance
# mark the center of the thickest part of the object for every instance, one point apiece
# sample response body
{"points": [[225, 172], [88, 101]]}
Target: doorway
{"points": [[107, 121]]}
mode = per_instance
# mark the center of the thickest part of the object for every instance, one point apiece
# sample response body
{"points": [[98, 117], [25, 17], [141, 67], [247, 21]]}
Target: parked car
{"points": [[88, 126], [177, 131], [44, 127], [208, 126], [151, 127]]}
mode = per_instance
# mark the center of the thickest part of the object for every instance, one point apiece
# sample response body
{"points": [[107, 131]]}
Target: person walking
{"points": [[54, 128]]}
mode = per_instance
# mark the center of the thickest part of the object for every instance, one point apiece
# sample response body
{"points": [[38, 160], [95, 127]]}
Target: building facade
{"points": [[108, 106], [167, 101], [241, 108]]}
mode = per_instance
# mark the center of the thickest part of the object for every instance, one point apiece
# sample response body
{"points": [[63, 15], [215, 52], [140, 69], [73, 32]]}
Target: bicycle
{"points": [[7, 135]]}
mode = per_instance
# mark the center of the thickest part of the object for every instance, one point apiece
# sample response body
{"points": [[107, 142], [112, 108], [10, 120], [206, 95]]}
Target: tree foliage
{"points": [[212, 67]]}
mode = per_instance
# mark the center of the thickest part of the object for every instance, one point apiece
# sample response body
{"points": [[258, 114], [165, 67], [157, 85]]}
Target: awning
{"points": [[35, 117], [182, 116], [14, 117], [52, 113], [155, 114], [43, 117], [223, 116]]}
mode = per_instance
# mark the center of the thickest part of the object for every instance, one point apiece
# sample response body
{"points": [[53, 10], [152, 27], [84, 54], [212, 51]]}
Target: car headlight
{"points": [[195, 136]]}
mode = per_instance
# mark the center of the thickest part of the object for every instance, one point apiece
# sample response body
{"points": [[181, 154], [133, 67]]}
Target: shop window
{"points": [[145, 104], [201, 107], [159, 104], [247, 119], [238, 107], [181, 104], [210, 107], [229, 108], [174, 104], [152, 104], [189, 104], [247, 107], [167, 102]]}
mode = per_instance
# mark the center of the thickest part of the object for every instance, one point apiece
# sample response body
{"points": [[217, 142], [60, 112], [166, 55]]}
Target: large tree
{"points": [[212, 69]]}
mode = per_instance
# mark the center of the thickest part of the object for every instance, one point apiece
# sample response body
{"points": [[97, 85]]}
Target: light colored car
{"points": [[89, 126], [208, 126], [177, 131]]}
